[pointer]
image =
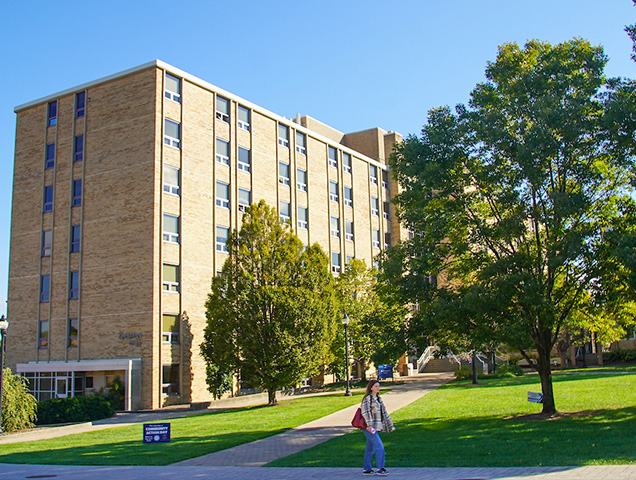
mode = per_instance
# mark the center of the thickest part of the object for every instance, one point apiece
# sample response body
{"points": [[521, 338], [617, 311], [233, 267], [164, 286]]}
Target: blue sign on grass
{"points": [[156, 432], [385, 371]]}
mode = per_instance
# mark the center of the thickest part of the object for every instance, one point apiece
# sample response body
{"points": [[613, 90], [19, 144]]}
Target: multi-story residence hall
{"points": [[125, 190]]}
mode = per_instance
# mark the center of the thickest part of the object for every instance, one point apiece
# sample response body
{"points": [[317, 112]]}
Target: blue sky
{"points": [[350, 64]]}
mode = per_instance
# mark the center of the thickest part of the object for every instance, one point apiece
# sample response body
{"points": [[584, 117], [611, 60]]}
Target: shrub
{"points": [[620, 356], [74, 409], [463, 372], [18, 405], [507, 370]]}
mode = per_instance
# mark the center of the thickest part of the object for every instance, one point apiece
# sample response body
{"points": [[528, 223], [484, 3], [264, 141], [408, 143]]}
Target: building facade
{"points": [[125, 190]]}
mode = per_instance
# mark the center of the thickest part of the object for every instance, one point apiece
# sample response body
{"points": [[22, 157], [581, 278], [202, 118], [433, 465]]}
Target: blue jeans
{"points": [[374, 446]]}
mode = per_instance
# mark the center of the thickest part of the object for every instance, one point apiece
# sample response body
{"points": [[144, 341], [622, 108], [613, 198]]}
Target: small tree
{"points": [[18, 405], [271, 313]]}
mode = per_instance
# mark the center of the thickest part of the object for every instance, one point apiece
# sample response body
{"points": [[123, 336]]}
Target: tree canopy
{"points": [[509, 199], [271, 312]]}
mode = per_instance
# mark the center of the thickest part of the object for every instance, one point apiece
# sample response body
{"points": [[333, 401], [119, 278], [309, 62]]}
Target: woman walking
{"points": [[378, 420]]}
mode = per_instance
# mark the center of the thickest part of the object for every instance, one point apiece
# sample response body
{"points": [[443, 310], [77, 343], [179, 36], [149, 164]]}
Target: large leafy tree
{"points": [[271, 313], [377, 321], [509, 196]]}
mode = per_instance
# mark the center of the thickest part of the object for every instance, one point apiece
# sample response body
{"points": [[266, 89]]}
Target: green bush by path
{"points": [[74, 409], [191, 436], [493, 425], [18, 405]]}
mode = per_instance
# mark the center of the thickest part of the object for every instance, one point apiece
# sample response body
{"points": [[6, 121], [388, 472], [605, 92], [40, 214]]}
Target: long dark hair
{"points": [[370, 386]]}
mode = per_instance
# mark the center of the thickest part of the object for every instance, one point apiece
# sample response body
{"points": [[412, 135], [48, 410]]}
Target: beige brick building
{"points": [[124, 191]]}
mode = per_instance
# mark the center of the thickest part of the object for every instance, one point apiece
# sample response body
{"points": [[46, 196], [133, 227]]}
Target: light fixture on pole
{"points": [[4, 324], [345, 322]]}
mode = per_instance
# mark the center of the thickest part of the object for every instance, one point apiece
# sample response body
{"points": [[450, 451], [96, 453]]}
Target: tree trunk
{"points": [[474, 358], [545, 374], [271, 395]]}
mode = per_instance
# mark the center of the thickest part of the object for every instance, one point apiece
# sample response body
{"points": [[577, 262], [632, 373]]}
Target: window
{"points": [[244, 159], [303, 218], [78, 148], [349, 230], [333, 191], [171, 180], [243, 118], [335, 262], [170, 278], [387, 239], [244, 199], [77, 192], [301, 179], [283, 135], [73, 329], [222, 234], [375, 206], [373, 174], [386, 211], [335, 227], [222, 151], [223, 109], [47, 242], [301, 143], [376, 238], [385, 178], [284, 209], [44, 334], [73, 285], [333, 157], [52, 114], [48, 199], [222, 195], [173, 88], [346, 162], [283, 173], [170, 228], [75, 238], [170, 379], [50, 156], [172, 133], [80, 104], [45, 288], [170, 328], [348, 197]]}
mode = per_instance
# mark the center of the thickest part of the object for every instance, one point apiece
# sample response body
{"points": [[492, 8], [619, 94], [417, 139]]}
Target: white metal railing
{"points": [[428, 354]]}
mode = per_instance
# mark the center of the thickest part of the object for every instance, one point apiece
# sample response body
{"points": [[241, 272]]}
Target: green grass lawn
{"points": [[492, 424], [191, 436]]}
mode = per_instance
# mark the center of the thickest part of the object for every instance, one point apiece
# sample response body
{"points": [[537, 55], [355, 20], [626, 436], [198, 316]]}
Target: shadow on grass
{"points": [[137, 452], [586, 438], [533, 379]]}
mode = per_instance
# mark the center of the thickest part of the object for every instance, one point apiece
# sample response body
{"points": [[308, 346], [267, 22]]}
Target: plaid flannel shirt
{"points": [[379, 420]]}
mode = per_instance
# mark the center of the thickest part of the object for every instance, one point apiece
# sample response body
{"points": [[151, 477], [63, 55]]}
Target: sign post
{"points": [[385, 371]]}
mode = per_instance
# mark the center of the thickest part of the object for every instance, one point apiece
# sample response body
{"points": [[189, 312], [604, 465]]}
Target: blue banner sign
{"points": [[385, 371], [156, 432], [535, 397]]}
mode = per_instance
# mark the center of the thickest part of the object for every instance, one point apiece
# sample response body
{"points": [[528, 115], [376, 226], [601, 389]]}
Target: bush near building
{"points": [[73, 409], [18, 405], [619, 356]]}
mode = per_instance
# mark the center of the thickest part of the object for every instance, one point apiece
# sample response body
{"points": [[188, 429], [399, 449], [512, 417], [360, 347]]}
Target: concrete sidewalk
{"points": [[18, 472], [268, 449]]}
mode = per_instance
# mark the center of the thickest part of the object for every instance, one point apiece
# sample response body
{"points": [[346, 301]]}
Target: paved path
{"points": [[263, 451], [59, 472]]}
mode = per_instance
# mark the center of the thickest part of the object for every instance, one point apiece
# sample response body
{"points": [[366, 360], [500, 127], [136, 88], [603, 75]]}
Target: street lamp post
{"points": [[3, 333], [345, 322]]}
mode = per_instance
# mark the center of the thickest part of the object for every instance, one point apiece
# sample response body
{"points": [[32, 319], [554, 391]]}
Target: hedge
{"points": [[74, 409]]}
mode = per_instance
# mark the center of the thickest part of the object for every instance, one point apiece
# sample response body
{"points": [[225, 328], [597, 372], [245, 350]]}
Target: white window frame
{"points": [[170, 94], [246, 167], [281, 216], [304, 224], [385, 183], [243, 125], [373, 178], [346, 167], [225, 117], [349, 235], [335, 268], [222, 159], [171, 237], [221, 201], [169, 187], [333, 196], [170, 337], [301, 148], [333, 162], [376, 243], [221, 246], [171, 287], [170, 140], [335, 232], [300, 185], [375, 209], [243, 206], [348, 202], [281, 178]]}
